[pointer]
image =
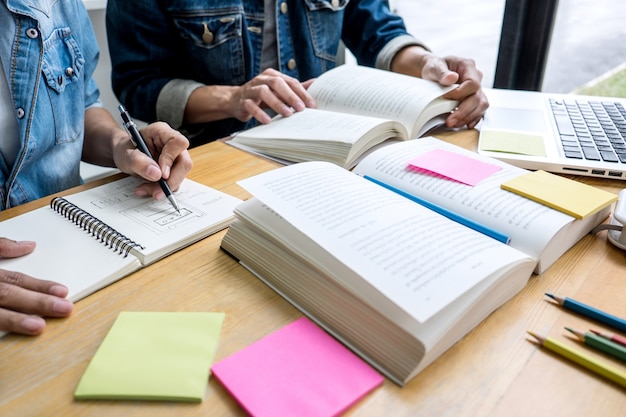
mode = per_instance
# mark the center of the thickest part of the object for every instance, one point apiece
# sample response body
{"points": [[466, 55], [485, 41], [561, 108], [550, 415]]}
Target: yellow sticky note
{"points": [[163, 356], [569, 196], [512, 142]]}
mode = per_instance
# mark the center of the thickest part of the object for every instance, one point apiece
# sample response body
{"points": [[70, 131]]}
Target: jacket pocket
{"points": [[62, 68], [325, 20], [213, 43]]}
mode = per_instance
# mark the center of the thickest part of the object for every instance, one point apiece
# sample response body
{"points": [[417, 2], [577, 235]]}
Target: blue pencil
{"points": [[591, 312], [494, 234]]}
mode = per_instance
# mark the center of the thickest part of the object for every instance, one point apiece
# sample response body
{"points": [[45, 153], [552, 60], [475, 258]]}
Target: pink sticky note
{"points": [[455, 166], [298, 370]]}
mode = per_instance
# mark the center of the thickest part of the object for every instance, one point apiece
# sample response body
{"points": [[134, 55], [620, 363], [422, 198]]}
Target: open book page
{"points": [[383, 94], [156, 225], [399, 257], [64, 253], [315, 134], [530, 225]]}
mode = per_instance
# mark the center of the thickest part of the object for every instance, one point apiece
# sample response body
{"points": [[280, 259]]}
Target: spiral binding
{"points": [[95, 227]]}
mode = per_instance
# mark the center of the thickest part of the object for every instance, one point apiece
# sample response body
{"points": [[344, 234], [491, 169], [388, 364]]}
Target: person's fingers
{"points": [[13, 249], [469, 111], [24, 298], [14, 322]]}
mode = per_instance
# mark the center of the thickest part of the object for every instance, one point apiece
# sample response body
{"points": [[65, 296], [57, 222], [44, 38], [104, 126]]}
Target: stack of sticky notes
{"points": [[163, 356], [572, 197], [298, 370]]}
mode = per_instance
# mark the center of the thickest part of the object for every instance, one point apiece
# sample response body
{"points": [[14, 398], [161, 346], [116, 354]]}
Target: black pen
{"points": [[138, 141]]}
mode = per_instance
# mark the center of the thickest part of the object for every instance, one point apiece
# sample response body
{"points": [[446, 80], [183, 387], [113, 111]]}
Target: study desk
{"points": [[494, 371]]}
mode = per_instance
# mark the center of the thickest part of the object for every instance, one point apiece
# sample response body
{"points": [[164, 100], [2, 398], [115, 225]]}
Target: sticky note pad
{"points": [[298, 370], [512, 142], [455, 166], [572, 197], [163, 356]]}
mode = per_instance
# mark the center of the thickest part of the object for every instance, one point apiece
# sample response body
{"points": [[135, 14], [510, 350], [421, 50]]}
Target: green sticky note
{"points": [[572, 197], [163, 356], [512, 142]]}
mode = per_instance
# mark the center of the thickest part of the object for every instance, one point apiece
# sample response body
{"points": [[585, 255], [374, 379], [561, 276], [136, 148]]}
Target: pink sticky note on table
{"points": [[455, 166], [298, 370]]}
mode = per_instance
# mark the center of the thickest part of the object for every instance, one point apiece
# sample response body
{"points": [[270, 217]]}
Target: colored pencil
{"points": [[591, 312], [600, 343], [599, 367], [620, 340]]}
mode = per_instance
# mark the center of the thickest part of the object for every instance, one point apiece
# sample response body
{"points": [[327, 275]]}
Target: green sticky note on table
{"points": [[572, 197], [512, 142], [163, 356]]}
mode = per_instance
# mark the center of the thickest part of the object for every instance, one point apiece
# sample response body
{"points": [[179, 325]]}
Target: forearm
{"points": [[210, 103], [410, 60], [102, 135]]}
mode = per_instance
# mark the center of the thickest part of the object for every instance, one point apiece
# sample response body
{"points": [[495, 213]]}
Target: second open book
{"points": [[357, 109], [393, 280]]}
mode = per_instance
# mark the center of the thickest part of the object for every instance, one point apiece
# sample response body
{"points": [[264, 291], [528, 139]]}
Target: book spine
{"points": [[95, 227]]}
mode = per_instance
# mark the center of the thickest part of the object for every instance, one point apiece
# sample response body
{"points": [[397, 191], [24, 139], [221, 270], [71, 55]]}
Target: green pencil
{"points": [[599, 367], [600, 343]]}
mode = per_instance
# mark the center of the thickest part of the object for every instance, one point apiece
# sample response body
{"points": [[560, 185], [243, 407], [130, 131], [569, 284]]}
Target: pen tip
{"points": [[550, 295], [569, 329]]}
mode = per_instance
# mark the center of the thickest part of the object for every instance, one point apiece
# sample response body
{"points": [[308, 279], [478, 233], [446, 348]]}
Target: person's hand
{"points": [[25, 300], [270, 89], [447, 71], [169, 148]]}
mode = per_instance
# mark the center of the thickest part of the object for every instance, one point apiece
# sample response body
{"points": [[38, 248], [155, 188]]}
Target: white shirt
{"points": [[9, 130]]}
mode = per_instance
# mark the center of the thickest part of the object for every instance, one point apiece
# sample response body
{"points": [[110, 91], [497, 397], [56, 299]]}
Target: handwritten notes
{"points": [[298, 370], [572, 197], [455, 166]]}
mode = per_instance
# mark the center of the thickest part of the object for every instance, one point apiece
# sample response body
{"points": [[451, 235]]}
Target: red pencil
{"points": [[612, 337]]}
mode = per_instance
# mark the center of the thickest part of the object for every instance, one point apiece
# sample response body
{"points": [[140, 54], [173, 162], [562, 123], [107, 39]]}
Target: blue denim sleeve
{"points": [[368, 26], [91, 52], [143, 54]]}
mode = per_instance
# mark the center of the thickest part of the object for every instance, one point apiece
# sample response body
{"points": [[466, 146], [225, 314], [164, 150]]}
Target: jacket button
{"points": [[291, 64], [283, 7], [69, 71], [32, 33], [20, 113], [334, 3], [207, 35]]}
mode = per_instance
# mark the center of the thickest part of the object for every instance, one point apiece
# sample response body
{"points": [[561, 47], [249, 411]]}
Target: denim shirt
{"points": [[161, 50], [49, 52]]}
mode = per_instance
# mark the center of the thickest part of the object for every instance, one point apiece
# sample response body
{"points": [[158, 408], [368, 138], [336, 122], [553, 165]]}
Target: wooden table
{"points": [[494, 371]]}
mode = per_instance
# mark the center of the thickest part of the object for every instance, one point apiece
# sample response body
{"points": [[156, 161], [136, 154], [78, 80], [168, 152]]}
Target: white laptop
{"points": [[563, 133]]}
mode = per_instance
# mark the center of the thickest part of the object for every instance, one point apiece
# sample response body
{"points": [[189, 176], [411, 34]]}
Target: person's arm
{"points": [[152, 75], [378, 38], [416, 61], [25, 300], [270, 89], [107, 144]]}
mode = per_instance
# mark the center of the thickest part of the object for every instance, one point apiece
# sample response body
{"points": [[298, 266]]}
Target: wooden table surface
{"points": [[494, 371]]}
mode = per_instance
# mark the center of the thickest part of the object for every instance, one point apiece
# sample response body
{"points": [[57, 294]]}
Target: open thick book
{"points": [[357, 109], [92, 238], [392, 279]]}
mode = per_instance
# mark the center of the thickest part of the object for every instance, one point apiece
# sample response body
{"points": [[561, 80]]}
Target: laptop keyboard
{"points": [[592, 130]]}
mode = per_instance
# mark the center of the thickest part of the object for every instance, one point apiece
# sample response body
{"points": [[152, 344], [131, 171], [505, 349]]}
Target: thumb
{"points": [[12, 248]]}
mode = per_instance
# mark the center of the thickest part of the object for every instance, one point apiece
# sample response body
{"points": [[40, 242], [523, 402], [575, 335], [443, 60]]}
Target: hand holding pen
{"points": [[139, 142]]}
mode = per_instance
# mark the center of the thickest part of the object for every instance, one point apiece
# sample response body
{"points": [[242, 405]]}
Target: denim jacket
{"points": [[161, 50], [49, 52]]}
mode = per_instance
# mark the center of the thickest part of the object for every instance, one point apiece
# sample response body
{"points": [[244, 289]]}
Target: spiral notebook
{"points": [[93, 238]]}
